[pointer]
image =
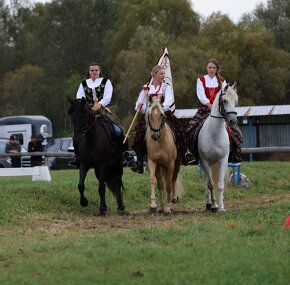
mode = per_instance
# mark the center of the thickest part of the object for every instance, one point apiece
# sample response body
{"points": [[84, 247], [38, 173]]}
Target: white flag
{"points": [[164, 61]]}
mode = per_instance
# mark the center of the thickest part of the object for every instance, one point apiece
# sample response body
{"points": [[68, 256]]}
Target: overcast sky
{"points": [[233, 8]]}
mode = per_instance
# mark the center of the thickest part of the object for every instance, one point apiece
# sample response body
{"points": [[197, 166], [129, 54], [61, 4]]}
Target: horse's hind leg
{"points": [[102, 193], [81, 186]]}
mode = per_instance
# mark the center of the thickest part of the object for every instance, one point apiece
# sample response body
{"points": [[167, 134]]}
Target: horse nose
{"points": [[233, 120]]}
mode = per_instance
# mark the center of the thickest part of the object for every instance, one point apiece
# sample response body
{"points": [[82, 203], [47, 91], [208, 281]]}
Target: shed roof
{"points": [[244, 111]]}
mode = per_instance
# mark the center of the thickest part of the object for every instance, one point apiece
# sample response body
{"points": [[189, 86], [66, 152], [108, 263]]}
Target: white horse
{"points": [[214, 144]]}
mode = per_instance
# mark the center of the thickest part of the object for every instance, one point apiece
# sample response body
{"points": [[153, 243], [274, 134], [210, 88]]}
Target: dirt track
{"points": [[131, 220]]}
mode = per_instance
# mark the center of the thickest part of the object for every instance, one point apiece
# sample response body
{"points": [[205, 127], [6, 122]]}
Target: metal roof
{"points": [[244, 111]]}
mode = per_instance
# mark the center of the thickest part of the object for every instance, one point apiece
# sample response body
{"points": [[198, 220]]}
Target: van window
{"points": [[65, 145]]}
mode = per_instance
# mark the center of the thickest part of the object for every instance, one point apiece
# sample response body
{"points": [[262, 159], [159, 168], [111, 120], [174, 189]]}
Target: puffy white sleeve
{"points": [[108, 91], [201, 92], [80, 92], [140, 100]]}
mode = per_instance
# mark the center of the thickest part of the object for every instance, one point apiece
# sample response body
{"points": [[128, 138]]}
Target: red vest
{"points": [[210, 92]]}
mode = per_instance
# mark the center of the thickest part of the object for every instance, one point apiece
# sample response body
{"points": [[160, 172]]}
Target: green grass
{"points": [[47, 238]]}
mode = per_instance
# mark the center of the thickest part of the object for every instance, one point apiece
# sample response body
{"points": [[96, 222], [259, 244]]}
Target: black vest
{"points": [[99, 91]]}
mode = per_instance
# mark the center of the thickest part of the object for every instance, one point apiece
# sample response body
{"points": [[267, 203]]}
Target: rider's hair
{"points": [[155, 69]]}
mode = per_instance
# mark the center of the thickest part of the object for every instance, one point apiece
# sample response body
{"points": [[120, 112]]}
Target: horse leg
{"points": [[209, 188], [222, 172], [160, 186], [152, 169], [175, 197], [169, 188], [119, 194], [81, 186], [102, 191]]}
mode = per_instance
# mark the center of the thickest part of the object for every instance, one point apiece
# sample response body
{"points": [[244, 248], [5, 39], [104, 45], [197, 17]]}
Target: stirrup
{"points": [[75, 161], [190, 159], [138, 168]]}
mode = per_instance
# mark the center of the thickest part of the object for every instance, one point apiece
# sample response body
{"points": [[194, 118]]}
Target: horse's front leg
{"points": [[160, 186], [211, 200], [81, 186], [152, 170]]}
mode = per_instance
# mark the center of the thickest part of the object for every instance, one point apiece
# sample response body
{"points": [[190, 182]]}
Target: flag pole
{"points": [[137, 111]]}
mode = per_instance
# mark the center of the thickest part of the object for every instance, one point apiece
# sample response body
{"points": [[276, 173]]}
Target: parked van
{"points": [[22, 127]]}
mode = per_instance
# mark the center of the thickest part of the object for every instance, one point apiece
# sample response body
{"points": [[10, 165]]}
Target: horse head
{"points": [[155, 116], [80, 113], [227, 100]]}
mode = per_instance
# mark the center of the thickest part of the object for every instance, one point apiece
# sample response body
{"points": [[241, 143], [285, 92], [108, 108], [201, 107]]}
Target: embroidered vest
{"points": [[210, 92], [94, 94]]}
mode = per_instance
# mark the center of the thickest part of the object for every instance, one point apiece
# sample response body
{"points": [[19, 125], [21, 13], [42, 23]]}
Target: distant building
{"points": [[262, 126]]}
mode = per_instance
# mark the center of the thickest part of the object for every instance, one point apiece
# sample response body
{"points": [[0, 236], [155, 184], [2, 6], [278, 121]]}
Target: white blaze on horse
{"points": [[214, 144], [163, 157]]}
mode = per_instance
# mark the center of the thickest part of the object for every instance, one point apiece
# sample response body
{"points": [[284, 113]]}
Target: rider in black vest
{"points": [[98, 93]]}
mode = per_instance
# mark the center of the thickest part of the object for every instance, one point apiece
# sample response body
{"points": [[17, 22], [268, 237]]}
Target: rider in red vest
{"points": [[207, 87]]}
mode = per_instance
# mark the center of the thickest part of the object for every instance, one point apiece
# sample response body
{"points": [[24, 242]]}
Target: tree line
{"points": [[45, 50]]}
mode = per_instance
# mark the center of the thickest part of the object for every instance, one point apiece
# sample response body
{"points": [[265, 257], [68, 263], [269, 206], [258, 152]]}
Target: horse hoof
{"points": [[166, 214], [208, 207], [175, 200], [222, 210], [84, 202], [153, 210], [214, 210], [102, 214], [122, 208]]}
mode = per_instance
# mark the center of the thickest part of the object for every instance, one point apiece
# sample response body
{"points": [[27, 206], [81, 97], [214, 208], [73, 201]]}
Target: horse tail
{"points": [[178, 187], [114, 179], [215, 169]]}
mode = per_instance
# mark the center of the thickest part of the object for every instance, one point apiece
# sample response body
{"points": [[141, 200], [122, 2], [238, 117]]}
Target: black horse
{"points": [[97, 150]]}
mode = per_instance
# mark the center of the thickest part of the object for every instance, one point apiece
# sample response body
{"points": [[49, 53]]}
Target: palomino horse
{"points": [[214, 145], [95, 151], [163, 157]]}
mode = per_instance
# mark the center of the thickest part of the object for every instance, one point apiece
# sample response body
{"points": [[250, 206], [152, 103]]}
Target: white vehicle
{"points": [[22, 127]]}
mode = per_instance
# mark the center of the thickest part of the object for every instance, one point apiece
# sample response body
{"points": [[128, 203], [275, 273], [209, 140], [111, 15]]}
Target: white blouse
{"points": [[164, 88]]}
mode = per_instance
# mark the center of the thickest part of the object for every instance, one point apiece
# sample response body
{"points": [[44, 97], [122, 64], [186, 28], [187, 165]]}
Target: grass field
{"points": [[47, 238]]}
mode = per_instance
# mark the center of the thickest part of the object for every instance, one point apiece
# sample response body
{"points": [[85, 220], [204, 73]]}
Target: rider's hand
{"points": [[209, 105], [96, 107]]}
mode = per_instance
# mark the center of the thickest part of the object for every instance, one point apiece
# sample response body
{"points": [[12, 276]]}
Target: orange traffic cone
{"points": [[287, 222]]}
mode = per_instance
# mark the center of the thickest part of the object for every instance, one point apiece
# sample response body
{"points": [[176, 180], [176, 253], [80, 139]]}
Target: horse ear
{"points": [[226, 87], [150, 99], [234, 85], [162, 99]]}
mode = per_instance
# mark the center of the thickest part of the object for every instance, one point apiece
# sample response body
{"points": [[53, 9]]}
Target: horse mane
{"points": [[230, 93]]}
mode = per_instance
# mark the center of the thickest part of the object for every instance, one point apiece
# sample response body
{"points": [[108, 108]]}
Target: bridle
{"points": [[222, 108], [156, 132]]}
